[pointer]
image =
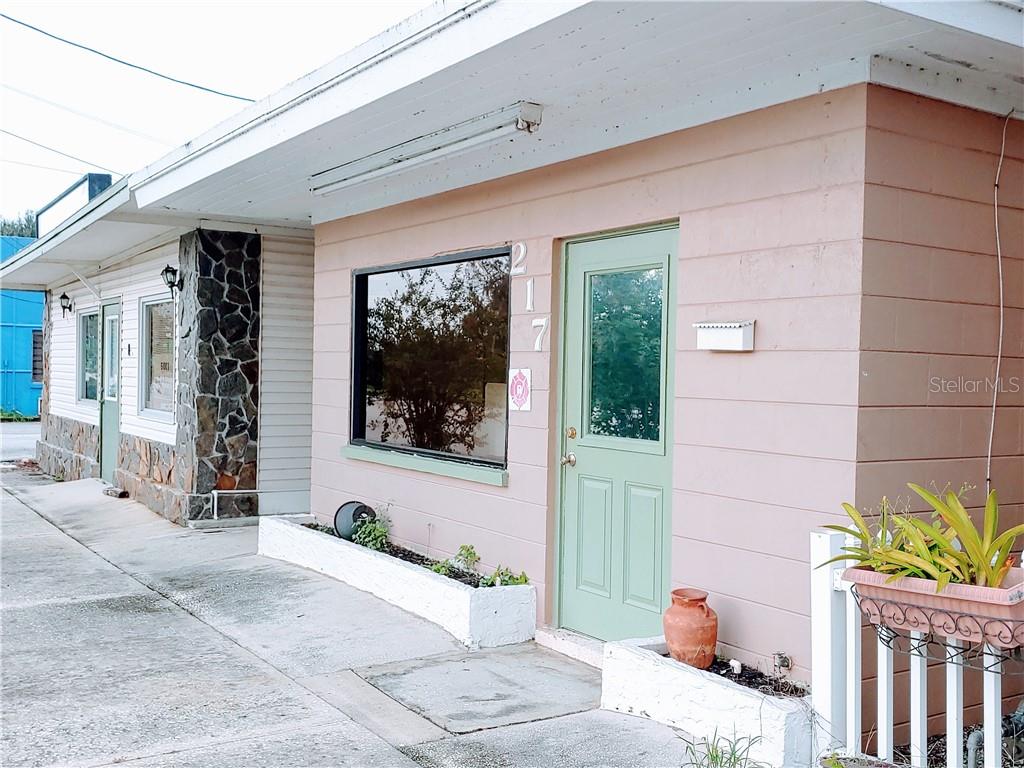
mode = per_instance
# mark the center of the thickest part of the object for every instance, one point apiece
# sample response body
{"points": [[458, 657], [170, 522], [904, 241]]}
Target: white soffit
{"points": [[108, 231], [607, 74], [81, 241]]}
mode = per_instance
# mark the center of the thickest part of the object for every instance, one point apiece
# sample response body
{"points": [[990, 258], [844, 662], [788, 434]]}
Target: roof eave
{"points": [[108, 201]]}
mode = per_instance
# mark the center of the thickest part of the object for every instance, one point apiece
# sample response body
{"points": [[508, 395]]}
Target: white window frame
{"points": [[87, 402], [142, 382]]}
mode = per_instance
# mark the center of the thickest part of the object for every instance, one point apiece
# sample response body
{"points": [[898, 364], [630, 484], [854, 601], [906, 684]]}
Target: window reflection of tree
{"points": [[436, 343], [625, 356], [90, 356]]}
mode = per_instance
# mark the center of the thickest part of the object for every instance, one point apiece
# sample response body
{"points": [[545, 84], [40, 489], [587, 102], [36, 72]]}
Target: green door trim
{"points": [[559, 445], [109, 409]]}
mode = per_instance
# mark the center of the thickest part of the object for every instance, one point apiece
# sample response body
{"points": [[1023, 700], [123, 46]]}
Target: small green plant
{"points": [[6, 415], [466, 558], [320, 527], [464, 561], [444, 567], [722, 752], [372, 533], [948, 549], [504, 577]]}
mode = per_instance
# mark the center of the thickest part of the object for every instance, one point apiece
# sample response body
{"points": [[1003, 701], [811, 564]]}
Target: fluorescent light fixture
{"points": [[505, 123]]}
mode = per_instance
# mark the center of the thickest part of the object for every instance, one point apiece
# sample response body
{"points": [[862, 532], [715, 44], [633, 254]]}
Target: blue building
{"points": [[21, 342]]}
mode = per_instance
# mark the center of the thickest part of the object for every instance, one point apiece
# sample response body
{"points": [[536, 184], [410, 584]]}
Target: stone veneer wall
{"points": [[67, 449], [217, 398], [156, 474], [218, 364]]}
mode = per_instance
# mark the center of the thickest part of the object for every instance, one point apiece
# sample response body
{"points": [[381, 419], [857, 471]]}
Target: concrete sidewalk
{"points": [[127, 638], [18, 440]]}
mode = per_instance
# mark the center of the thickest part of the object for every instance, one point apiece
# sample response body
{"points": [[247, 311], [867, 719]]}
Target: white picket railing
{"points": [[836, 675]]}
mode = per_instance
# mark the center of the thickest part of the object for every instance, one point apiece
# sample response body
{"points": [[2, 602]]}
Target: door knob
{"points": [[570, 459]]}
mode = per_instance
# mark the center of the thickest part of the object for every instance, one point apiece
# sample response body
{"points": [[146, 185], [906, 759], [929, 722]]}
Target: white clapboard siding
{"points": [[286, 365], [131, 282], [64, 357]]}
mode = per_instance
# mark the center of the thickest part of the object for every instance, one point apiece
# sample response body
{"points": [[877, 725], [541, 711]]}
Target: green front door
{"points": [[616, 434], [110, 390]]}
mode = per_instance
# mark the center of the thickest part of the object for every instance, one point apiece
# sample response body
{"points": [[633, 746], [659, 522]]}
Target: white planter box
{"points": [[637, 680], [478, 617]]}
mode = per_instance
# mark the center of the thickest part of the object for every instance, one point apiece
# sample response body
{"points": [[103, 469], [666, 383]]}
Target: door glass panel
{"points": [[111, 346], [89, 357], [625, 354]]}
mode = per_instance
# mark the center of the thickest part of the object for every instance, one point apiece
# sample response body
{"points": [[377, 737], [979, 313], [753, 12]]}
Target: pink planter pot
{"points": [[960, 611]]}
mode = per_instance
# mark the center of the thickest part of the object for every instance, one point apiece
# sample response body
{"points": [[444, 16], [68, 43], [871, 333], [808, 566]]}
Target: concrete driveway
{"points": [[129, 639], [18, 440]]}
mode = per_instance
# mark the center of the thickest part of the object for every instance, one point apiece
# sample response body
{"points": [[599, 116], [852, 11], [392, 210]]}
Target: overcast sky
{"points": [[245, 48]]}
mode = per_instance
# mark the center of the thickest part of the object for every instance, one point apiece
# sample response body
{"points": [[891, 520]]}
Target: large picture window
{"points": [[89, 356], [157, 361], [431, 357]]}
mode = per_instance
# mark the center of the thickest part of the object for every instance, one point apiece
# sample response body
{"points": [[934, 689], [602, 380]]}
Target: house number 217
{"points": [[518, 267]]}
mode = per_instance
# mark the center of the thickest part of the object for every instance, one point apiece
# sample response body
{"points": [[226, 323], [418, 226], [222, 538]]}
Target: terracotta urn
{"points": [[691, 628]]}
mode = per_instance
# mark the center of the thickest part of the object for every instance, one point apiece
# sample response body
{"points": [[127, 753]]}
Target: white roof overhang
{"points": [[105, 232], [606, 74], [80, 244]]}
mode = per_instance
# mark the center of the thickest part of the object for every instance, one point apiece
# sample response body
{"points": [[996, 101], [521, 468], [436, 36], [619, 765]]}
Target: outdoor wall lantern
{"points": [[65, 305], [171, 279]]}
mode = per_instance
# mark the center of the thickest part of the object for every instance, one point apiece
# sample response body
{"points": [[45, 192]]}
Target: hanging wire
{"points": [[57, 151], [86, 115], [43, 167], [1002, 311], [122, 61]]}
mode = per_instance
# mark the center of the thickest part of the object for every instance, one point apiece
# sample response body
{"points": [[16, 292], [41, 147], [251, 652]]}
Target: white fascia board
{"points": [[9, 286], [107, 202], [404, 55], [958, 86], [186, 222], [1000, 21]]}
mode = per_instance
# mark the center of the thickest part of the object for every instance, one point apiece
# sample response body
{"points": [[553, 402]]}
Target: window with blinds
{"points": [[37, 356], [157, 386]]}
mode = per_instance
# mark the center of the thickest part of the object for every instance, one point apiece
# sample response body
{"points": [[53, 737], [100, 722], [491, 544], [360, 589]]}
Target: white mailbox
{"points": [[726, 336]]}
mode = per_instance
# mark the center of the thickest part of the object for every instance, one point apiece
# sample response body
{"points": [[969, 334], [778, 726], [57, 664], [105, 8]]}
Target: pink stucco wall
{"points": [[851, 225], [929, 316], [770, 212]]}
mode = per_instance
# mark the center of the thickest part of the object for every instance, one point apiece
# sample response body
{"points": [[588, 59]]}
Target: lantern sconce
{"points": [[65, 305], [171, 279]]}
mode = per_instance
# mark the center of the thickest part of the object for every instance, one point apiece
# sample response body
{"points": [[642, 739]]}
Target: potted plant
{"points": [[940, 573]]}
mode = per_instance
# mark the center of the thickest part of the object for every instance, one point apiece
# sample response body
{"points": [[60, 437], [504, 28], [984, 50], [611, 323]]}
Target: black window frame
{"points": [[357, 392]]}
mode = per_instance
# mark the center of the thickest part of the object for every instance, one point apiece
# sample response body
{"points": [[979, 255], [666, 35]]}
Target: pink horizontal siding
{"points": [[770, 209], [929, 315]]}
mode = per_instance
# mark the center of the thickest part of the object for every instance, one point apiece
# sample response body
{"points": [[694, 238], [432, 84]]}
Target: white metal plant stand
{"points": [[837, 618]]}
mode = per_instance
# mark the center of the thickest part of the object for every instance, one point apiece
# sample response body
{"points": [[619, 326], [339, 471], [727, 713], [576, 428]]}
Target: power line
{"points": [[7, 295], [122, 61], [42, 167], [86, 115], [62, 154]]}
